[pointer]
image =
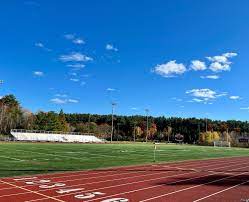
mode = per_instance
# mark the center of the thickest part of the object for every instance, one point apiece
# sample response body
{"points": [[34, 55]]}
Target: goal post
{"points": [[222, 144]]}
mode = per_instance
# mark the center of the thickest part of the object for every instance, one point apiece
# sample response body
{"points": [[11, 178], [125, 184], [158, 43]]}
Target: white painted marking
{"points": [[88, 195], [52, 186], [116, 200], [208, 196], [63, 191], [25, 178]]}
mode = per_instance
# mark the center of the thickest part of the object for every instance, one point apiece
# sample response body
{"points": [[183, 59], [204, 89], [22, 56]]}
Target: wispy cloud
{"points": [[210, 77], [42, 46], [60, 95], [235, 97], [204, 95], [76, 66], [38, 73], [170, 69], [74, 39], [74, 80], [63, 101], [111, 89], [75, 57], [245, 108], [111, 47]]}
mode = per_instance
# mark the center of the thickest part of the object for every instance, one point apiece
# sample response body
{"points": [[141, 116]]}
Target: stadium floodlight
{"points": [[113, 106], [147, 123]]}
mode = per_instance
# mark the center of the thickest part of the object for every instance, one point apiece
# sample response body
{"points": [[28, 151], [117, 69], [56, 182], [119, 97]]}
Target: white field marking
{"points": [[25, 178], [208, 196], [151, 187], [100, 155], [88, 195], [96, 189], [192, 187], [116, 200], [45, 186], [64, 191], [16, 159], [30, 191]]}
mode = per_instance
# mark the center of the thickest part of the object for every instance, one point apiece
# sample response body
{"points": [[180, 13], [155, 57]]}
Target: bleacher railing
{"points": [[50, 132]]}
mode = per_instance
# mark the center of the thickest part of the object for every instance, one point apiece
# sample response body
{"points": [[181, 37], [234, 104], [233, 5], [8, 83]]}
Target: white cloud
{"points": [[218, 67], [39, 44], [210, 77], [42, 46], [204, 95], [61, 95], [134, 108], [110, 47], [221, 62], [58, 101], [38, 73], [198, 65], [218, 58], [74, 80], [244, 108], [76, 66], [83, 83], [111, 89], [72, 101], [74, 40], [234, 97], [79, 41], [230, 55], [63, 101], [170, 69], [75, 57]]}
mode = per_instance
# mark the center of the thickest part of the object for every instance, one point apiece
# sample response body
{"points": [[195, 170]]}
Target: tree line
{"points": [[126, 128]]}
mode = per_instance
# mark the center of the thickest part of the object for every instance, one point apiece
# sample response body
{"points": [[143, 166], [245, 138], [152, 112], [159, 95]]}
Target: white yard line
{"points": [[208, 196]]}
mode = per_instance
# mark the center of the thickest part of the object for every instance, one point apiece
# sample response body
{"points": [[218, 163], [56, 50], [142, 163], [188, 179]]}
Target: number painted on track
{"points": [[116, 200], [63, 191], [88, 195], [52, 185]]}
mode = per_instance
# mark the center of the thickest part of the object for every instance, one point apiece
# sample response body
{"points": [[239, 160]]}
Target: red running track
{"points": [[224, 179]]}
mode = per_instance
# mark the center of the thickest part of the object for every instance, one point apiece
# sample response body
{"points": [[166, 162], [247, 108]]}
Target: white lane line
{"points": [[12, 158], [143, 180], [192, 187], [208, 196], [35, 192]]}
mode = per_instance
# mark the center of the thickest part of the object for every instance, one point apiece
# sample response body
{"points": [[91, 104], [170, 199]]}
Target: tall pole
{"points": [[2, 109], [89, 117], [134, 132], [206, 125], [113, 105], [147, 124]]}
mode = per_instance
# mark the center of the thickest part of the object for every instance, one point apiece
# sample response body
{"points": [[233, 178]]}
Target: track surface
{"points": [[225, 179]]}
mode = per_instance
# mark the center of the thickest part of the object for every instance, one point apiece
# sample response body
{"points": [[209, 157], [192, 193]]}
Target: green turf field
{"points": [[33, 158]]}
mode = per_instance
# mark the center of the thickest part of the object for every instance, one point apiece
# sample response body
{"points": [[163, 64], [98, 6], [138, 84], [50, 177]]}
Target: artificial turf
{"points": [[33, 158]]}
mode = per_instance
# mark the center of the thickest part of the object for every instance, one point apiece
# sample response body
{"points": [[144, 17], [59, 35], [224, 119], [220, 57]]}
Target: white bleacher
{"points": [[53, 136]]}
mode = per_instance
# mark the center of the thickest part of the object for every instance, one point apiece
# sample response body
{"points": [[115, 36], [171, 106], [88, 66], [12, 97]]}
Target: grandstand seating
{"points": [[52, 136]]}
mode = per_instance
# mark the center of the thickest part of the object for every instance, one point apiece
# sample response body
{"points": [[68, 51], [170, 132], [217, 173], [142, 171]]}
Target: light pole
{"points": [[147, 124], [89, 117], [2, 108], [113, 106]]}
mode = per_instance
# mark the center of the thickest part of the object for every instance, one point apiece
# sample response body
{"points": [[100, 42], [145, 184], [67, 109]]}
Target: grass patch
{"points": [[34, 158]]}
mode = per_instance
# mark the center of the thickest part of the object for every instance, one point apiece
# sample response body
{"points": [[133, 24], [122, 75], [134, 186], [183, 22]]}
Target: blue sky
{"points": [[176, 58]]}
